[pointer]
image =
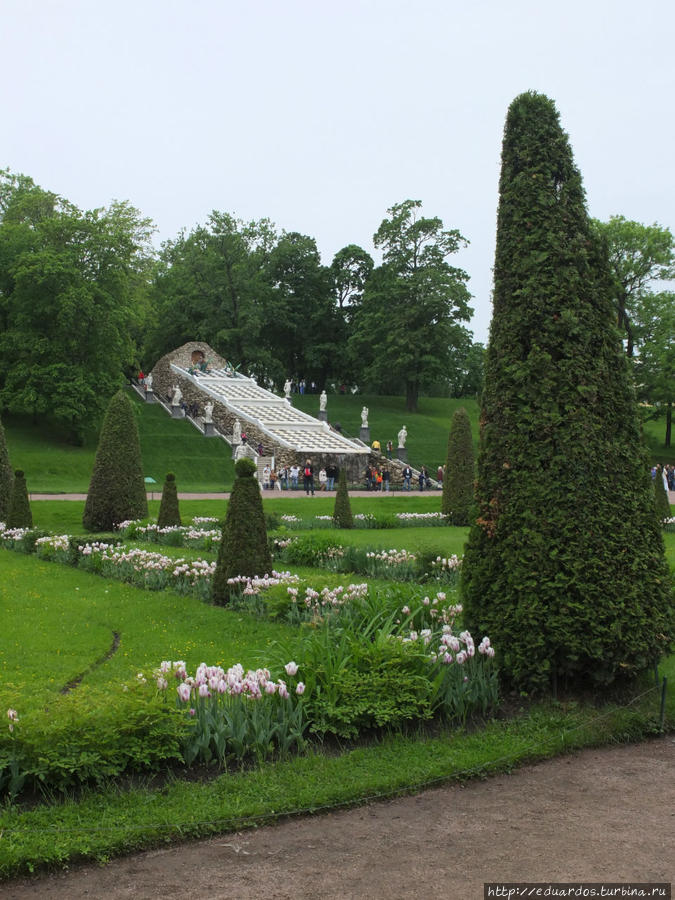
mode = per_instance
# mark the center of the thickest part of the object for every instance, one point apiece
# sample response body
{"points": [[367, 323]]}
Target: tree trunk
{"points": [[669, 422], [411, 394]]}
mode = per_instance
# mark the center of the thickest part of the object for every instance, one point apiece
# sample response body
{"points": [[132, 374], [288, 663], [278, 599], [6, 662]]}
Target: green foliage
{"points": [[244, 467], [459, 471], [117, 489], [19, 514], [342, 513], [565, 567], [131, 732], [243, 548], [169, 512], [72, 284], [413, 304], [639, 255], [6, 477]]}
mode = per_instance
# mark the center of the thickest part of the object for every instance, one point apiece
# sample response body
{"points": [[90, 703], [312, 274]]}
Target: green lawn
{"points": [[57, 621]]}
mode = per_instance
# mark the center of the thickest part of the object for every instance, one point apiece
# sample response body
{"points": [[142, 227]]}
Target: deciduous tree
{"points": [[413, 304]]}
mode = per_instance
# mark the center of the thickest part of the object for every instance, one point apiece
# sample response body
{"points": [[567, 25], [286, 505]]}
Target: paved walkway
{"points": [[267, 495]]}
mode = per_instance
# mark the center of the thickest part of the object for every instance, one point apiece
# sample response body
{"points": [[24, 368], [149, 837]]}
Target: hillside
{"points": [[200, 464], [167, 445]]}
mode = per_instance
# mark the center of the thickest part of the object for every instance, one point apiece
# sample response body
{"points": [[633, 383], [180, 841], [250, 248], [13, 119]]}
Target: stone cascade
{"points": [[265, 417]]}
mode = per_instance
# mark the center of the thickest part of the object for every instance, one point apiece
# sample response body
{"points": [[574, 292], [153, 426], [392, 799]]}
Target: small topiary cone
{"points": [[342, 512], [20, 515], [169, 512], [243, 548]]}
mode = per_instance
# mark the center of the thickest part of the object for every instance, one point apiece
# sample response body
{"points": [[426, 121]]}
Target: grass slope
{"points": [[167, 445], [173, 445]]}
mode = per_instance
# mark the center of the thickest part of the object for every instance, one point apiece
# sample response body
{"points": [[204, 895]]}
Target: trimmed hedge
{"points": [[6, 477], [19, 514], [117, 489], [169, 511], [565, 568], [459, 475], [342, 511], [243, 549]]}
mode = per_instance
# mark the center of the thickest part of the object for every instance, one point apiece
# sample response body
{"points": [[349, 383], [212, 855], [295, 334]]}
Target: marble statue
{"points": [[364, 417], [148, 382], [402, 437], [177, 396], [236, 432], [288, 384], [208, 412], [323, 400]]}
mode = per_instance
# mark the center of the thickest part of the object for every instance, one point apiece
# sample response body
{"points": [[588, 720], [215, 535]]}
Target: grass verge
{"points": [[112, 822]]}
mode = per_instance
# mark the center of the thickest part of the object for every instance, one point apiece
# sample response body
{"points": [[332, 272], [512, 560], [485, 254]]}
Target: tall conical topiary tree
{"points": [[459, 474], [342, 511], [565, 567], [19, 514], [117, 489], [169, 512], [661, 501], [243, 547], [6, 477]]}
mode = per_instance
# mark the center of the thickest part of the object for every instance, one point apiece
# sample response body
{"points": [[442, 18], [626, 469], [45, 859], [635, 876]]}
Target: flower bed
{"points": [[174, 535]]}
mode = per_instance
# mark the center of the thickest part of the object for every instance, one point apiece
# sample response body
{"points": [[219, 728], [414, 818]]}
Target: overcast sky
{"points": [[321, 115]]}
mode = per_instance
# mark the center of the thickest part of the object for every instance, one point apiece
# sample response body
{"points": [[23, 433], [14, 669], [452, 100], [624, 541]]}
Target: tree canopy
{"points": [[410, 315], [69, 281]]}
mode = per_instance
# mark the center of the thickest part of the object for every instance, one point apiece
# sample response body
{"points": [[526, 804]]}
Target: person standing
{"points": [[295, 474], [390, 449], [266, 477], [332, 473], [386, 475], [323, 479], [407, 478], [308, 478]]}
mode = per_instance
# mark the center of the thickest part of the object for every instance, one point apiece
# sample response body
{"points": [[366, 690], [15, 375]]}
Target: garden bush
{"points": [[117, 488], [89, 736], [169, 512], [342, 512], [565, 566], [19, 514], [459, 476], [6, 477], [243, 548]]}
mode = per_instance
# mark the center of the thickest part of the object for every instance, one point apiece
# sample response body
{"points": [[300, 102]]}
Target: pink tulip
{"points": [[291, 668], [184, 692], [300, 689]]}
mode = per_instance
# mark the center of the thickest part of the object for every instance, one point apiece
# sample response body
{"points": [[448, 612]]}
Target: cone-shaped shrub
{"points": [[19, 514], [661, 501], [565, 567], [6, 477], [117, 489], [458, 479], [169, 513], [342, 511], [243, 548]]}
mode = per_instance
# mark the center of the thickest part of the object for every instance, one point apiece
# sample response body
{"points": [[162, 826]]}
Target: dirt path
{"points": [[600, 815]]}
